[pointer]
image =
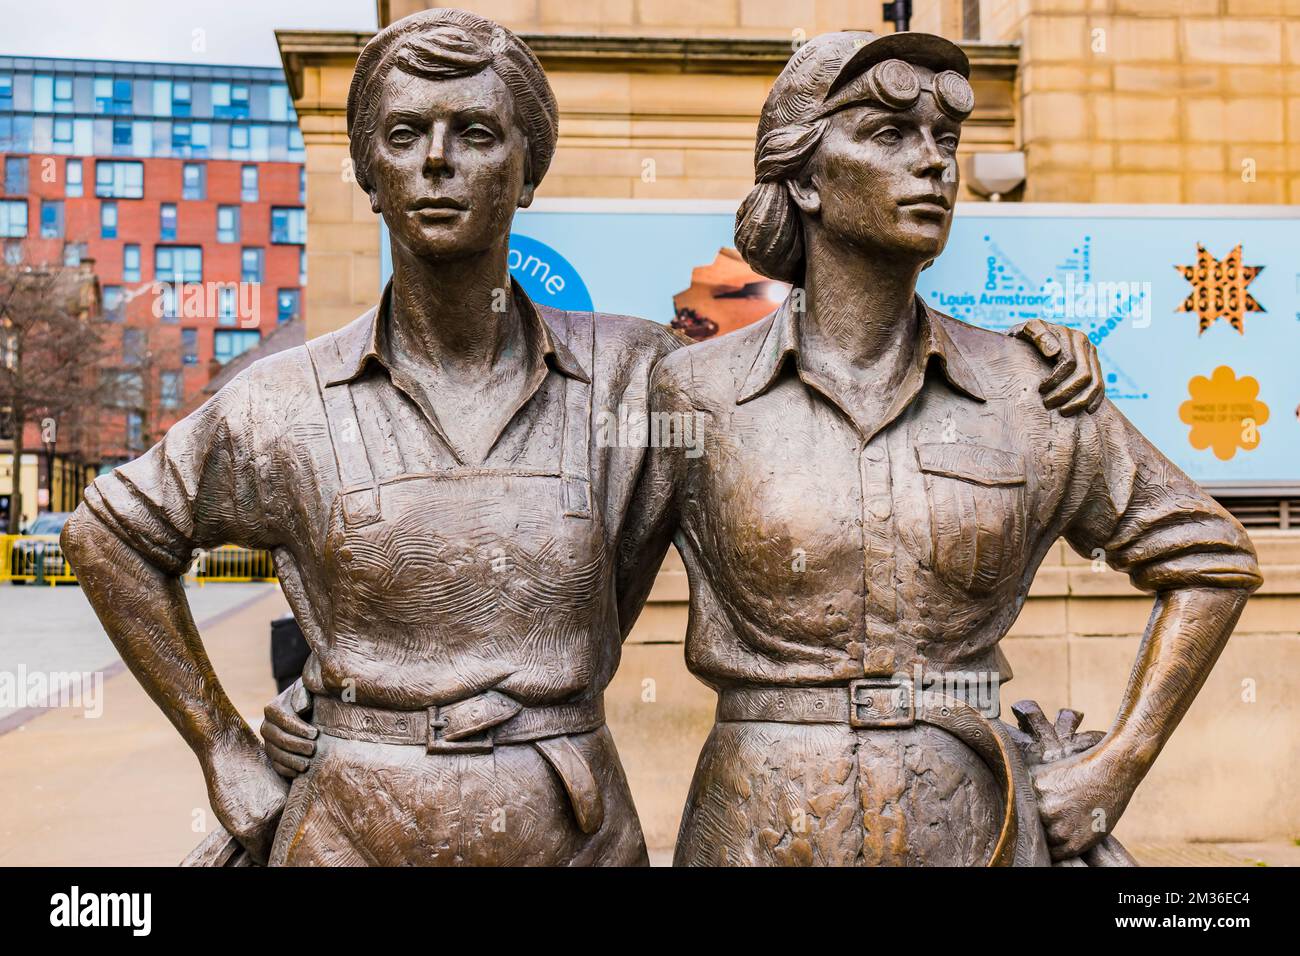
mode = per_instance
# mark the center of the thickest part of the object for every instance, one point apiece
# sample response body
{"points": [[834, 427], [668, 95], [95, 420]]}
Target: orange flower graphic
{"points": [[1223, 412]]}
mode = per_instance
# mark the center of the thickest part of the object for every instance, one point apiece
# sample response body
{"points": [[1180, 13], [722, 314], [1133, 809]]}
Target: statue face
{"points": [[447, 164], [885, 181]]}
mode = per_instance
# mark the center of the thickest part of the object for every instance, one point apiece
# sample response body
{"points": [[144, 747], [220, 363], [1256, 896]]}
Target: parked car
{"points": [[26, 555]]}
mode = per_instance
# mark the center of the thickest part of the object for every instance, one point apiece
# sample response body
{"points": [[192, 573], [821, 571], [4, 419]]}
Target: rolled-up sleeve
{"points": [[195, 489], [1147, 518]]}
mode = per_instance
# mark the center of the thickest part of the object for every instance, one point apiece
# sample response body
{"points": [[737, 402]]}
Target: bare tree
{"points": [[53, 345]]}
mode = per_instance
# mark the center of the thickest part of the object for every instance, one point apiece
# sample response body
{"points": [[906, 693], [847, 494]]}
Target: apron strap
{"points": [[575, 447], [360, 492]]}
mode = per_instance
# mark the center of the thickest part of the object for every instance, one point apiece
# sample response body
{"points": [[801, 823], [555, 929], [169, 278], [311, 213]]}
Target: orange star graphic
{"points": [[1219, 289]]}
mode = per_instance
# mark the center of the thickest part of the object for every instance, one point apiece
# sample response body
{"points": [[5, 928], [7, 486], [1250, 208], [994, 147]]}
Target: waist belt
{"points": [[883, 703], [471, 726], [478, 724]]}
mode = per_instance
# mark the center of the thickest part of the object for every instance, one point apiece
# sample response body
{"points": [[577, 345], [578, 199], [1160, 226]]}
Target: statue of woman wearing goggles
{"points": [[878, 486]]}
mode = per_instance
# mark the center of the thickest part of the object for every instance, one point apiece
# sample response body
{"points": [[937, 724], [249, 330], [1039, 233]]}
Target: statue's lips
{"points": [[937, 206], [437, 208]]}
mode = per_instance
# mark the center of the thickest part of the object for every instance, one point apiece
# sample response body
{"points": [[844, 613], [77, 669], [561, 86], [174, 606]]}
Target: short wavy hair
{"points": [[444, 44]]}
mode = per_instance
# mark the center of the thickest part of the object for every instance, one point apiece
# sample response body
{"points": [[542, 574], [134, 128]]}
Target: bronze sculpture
{"points": [[878, 487], [454, 543]]}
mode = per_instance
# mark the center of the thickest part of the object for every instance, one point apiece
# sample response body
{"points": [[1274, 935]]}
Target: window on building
{"points": [[162, 97], [15, 175], [63, 94], [288, 224], [250, 265], [302, 266], [200, 139], [277, 102], [194, 181], [73, 184], [178, 264], [230, 100], [182, 137], [73, 253], [122, 98], [121, 132], [189, 346], [103, 93], [248, 184], [131, 262], [108, 220], [167, 221], [63, 134], [288, 304], [229, 343], [6, 91], [134, 431], [170, 389], [119, 180], [13, 252], [227, 224], [180, 99], [13, 218], [43, 93], [113, 302], [170, 309], [51, 218], [238, 137], [132, 346], [302, 184], [226, 304]]}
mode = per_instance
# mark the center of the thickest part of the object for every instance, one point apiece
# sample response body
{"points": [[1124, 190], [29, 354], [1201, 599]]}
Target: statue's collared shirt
{"points": [[818, 552], [473, 575]]}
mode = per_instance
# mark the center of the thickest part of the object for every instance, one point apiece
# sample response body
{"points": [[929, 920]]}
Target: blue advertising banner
{"points": [[1195, 310]]}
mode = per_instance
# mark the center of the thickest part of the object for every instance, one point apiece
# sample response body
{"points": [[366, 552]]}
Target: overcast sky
{"points": [[233, 31]]}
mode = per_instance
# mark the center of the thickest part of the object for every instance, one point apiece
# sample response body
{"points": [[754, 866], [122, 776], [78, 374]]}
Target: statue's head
{"points": [[452, 126], [858, 142]]}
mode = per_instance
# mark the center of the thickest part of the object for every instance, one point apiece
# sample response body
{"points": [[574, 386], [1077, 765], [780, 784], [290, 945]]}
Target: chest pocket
{"points": [[976, 498]]}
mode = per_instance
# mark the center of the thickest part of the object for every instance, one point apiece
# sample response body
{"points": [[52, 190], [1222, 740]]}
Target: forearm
{"points": [[145, 613], [1186, 634]]}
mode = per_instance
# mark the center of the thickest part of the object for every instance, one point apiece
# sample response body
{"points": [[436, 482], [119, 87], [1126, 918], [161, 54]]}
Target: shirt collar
{"points": [[782, 341], [363, 340]]}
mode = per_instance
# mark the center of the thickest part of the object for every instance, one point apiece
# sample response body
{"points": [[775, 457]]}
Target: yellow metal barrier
{"points": [[33, 557], [231, 563], [39, 559]]}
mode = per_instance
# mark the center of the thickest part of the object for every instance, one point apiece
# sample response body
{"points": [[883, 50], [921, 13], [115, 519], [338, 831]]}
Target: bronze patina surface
{"points": [[878, 485], [465, 554]]}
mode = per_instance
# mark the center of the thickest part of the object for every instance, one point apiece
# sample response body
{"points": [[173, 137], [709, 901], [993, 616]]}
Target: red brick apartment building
{"points": [[184, 186]]}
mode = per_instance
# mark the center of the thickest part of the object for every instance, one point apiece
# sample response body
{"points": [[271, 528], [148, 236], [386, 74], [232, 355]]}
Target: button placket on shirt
{"points": [[878, 658]]}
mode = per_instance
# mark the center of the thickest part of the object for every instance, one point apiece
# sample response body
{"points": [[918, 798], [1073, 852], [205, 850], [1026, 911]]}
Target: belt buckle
{"points": [[881, 702], [435, 744]]}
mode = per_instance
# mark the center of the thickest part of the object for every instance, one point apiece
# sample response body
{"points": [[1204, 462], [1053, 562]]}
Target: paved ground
{"points": [[54, 629], [122, 789]]}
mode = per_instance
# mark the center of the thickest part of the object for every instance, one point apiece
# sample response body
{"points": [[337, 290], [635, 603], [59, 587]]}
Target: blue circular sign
{"points": [[547, 277]]}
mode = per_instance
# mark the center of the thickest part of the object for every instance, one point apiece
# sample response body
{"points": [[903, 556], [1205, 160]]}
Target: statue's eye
{"points": [[948, 142], [402, 136], [480, 134], [888, 136]]}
